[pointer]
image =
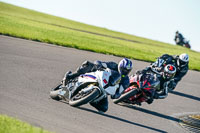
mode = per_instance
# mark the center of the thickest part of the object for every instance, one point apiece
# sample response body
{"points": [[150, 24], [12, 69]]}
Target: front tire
{"points": [[126, 96], [55, 91], [80, 99]]}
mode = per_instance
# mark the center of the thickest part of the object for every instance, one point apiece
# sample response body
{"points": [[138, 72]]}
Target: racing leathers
{"points": [[179, 39], [162, 92], [166, 59], [115, 78]]}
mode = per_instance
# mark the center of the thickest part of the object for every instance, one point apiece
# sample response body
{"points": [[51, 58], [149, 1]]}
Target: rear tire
{"points": [[126, 96], [55, 91], [75, 102]]}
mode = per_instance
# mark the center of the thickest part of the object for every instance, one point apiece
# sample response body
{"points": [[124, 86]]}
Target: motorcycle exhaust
{"points": [[89, 88]]}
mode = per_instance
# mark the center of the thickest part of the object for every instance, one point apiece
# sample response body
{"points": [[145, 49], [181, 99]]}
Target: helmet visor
{"points": [[168, 75], [125, 72], [182, 63]]}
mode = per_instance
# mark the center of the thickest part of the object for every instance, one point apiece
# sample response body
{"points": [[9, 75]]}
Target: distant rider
{"points": [[119, 75], [179, 39]]}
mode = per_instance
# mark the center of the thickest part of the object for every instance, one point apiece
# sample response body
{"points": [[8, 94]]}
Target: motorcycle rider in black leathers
{"points": [[181, 64], [119, 74], [179, 61], [179, 39], [165, 81]]}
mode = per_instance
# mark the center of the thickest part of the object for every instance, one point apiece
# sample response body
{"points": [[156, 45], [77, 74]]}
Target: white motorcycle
{"points": [[88, 87]]}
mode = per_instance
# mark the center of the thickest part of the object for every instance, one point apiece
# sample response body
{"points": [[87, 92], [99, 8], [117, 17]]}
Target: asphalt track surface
{"points": [[29, 69]]}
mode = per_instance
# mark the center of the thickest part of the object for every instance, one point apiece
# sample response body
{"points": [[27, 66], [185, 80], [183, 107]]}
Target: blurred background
{"points": [[152, 19]]}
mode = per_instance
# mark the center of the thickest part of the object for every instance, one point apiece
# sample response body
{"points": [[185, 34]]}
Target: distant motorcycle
{"points": [[89, 87], [184, 43], [142, 87]]}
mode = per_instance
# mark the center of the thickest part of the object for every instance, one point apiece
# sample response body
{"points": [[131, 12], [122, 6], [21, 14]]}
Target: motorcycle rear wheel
{"points": [[80, 99], [125, 96]]}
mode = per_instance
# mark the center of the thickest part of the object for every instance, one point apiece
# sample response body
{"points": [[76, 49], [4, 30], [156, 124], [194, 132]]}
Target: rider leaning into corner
{"points": [[119, 75], [179, 39], [165, 78], [179, 61], [161, 66]]}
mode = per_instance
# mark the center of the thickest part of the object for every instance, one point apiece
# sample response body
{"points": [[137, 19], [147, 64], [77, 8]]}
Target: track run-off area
{"points": [[28, 70]]}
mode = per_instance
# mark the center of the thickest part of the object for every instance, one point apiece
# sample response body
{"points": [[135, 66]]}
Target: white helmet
{"points": [[183, 59]]}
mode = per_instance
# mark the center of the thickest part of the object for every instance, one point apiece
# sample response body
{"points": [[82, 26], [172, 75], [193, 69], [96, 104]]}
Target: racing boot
{"points": [[66, 78], [101, 106], [69, 75]]}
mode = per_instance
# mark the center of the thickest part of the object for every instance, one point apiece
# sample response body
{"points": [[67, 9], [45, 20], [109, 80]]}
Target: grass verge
{"points": [[28, 24], [11, 125]]}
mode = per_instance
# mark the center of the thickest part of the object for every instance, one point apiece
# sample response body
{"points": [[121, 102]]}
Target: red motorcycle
{"points": [[187, 44], [184, 43], [141, 89]]}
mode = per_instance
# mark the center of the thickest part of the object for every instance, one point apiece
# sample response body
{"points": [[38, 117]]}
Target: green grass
{"points": [[29, 24], [11, 125]]}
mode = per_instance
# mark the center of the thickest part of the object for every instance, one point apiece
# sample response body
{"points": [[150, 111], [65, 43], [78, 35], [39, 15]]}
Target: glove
{"points": [[138, 72]]}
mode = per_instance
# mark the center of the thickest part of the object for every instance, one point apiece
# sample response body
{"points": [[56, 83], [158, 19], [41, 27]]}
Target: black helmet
{"points": [[169, 72]]}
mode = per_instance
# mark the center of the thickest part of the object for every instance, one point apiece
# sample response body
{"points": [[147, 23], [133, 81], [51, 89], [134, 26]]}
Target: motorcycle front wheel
{"points": [[125, 96], [55, 91], [82, 98]]}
